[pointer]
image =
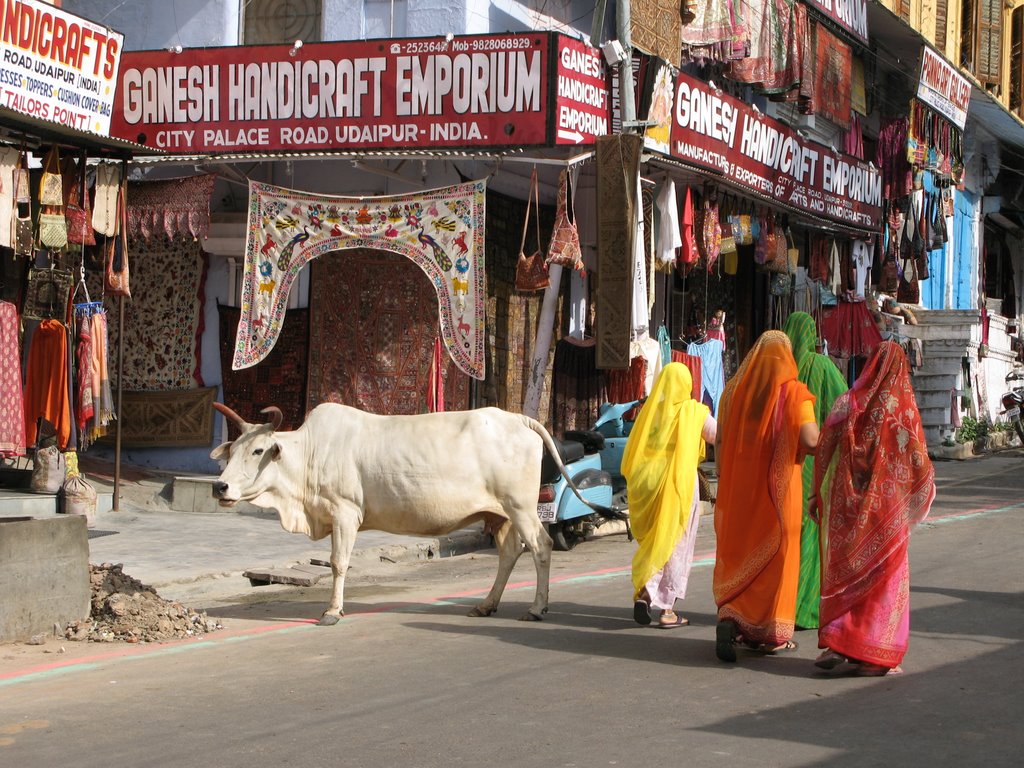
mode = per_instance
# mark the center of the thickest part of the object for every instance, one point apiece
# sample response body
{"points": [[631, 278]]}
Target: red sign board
{"points": [[582, 101], [713, 130], [474, 91], [851, 15]]}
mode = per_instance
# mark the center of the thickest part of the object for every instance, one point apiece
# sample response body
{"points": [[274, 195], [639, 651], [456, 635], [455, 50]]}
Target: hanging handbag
{"points": [[116, 275], [531, 272], [889, 280], [765, 247], [21, 223], [938, 228], [77, 213], [51, 186], [786, 254], [711, 233], [47, 294], [919, 247], [746, 229], [53, 230], [564, 248]]}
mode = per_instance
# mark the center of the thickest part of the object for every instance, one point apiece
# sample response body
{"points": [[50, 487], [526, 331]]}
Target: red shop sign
{"points": [[472, 91], [713, 130], [582, 101]]}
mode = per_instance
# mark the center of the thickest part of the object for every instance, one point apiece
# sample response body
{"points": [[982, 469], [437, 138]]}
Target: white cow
{"points": [[345, 470]]}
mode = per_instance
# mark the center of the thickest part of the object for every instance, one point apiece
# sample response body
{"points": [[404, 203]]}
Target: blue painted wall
{"points": [[964, 253]]}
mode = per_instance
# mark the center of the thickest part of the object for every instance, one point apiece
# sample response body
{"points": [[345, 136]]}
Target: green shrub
{"points": [[972, 429]]}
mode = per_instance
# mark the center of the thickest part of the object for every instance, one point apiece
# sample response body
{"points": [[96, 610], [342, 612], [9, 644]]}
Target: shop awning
{"points": [[15, 125]]}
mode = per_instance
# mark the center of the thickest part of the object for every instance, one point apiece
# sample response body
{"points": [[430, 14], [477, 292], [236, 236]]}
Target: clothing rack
{"points": [[89, 308]]}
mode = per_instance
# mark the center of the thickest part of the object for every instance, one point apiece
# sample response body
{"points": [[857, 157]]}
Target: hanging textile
{"points": [[668, 236], [435, 386], [12, 408], [712, 370], [163, 324], [654, 28], [850, 330], [84, 405], [441, 230], [8, 162], [577, 386], [46, 382], [833, 60], [175, 207], [280, 380], [693, 363], [712, 30], [103, 399]]}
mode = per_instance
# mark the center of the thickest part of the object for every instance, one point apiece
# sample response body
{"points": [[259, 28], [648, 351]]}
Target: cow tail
{"points": [[549, 444]]}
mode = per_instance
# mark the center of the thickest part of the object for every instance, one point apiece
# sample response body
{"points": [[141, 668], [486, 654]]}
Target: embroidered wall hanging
{"points": [[441, 230], [174, 207]]}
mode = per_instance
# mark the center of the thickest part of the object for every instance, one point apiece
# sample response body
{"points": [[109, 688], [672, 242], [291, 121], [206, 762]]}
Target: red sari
{"points": [[874, 482]]}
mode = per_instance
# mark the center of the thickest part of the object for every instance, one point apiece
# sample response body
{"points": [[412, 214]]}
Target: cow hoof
{"points": [[531, 617], [328, 620], [479, 612]]}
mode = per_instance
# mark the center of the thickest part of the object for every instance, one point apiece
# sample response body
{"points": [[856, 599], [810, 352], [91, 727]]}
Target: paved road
{"points": [[408, 680]]}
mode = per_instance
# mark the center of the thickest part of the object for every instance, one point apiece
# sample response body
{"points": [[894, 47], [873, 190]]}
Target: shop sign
{"points": [[471, 91], [57, 66], [851, 15], [943, 88], [715, 131], [582, 101]]}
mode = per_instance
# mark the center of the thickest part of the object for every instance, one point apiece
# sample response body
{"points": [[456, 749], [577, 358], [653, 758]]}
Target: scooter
{"points": [[615, 428], [1013, 400], [569, 519]]}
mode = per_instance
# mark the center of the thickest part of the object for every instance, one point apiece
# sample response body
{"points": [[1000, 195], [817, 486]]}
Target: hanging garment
{"points": [[8, 162], [861, 266], [835, 269], [85, 407], [435, 390], [103, 401], [104, 207], [641, 306], [668, 237], [12, 407], [689, 254], [693, 363], [712, 370], [665, 345], [46, 382], [577, 386]]}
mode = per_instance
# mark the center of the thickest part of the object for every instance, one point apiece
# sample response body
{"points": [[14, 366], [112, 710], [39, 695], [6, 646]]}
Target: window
{"points": [[941, 13], [981, 39], [1017, 60], [271, 22], [384, 18], [902, 9]]}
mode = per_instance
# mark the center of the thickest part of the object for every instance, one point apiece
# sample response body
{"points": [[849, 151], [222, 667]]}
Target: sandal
{"points": [[725, 631], [786, 647], [641, 613], [673, 620], [876, 670], [830, 659]]}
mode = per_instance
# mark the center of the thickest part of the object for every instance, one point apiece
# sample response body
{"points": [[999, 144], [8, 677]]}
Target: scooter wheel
{"points": [[1020, 429], [563, 539]]}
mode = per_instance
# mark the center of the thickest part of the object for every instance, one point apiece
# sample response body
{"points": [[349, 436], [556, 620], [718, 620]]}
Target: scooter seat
{"points": [[568, 450], [592, 440]]}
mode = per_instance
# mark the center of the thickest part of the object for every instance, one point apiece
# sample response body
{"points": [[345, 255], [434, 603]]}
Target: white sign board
{"points": [[57, 66], [943, 88]]}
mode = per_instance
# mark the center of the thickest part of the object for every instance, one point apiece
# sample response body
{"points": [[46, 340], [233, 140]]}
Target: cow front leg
{"points": [[343, 539]]}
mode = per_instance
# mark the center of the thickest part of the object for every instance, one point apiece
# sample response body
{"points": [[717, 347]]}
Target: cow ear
{"points": [[275, 451], [222, 451]]}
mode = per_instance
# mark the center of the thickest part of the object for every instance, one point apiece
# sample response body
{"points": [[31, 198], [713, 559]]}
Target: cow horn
{"points": [[232, 416], [276, 417]]}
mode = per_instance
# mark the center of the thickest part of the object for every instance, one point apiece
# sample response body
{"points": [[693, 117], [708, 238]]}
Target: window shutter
{"points": [[968, 34], [990, 38], [902, 9], [1017, 60], [941, 9]]}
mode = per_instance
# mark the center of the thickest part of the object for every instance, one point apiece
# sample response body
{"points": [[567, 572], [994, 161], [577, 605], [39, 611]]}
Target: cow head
{"points": [[251, 467]]}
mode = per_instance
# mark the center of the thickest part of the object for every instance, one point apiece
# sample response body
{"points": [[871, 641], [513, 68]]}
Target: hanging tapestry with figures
{"points": [[441, 230]]}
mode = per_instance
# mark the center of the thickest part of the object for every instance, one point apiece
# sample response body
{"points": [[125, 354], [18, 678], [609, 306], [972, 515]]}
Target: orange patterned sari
{"points": [[874, 482], [758, 511]]}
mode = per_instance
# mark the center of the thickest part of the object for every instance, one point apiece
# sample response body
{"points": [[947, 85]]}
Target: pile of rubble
{"points": [[125, 609]]}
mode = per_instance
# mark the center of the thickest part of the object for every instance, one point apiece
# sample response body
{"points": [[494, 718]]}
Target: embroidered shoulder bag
{"points": [[564, 248], [116, 276], [51, 186], [531, 273]]}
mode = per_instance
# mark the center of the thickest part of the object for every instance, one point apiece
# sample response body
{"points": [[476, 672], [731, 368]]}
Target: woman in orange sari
{"points": [[766, 427], [874, 482]]}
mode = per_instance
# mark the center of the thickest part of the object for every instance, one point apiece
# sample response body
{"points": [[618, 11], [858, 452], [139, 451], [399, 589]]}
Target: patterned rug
{"points": [[279, 379], [163, 320], [166, 419], [373, 321]]}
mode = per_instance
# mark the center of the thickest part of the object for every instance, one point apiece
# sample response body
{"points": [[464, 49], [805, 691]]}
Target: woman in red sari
{"points": [[874, 482], [766, 427]]}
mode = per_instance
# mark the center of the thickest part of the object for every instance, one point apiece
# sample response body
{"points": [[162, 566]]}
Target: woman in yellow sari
{"points": [[767, 427], [665, 446]]}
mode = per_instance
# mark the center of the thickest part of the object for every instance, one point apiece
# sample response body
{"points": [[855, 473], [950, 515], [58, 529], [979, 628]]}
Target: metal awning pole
{"points": [[115, 506]]}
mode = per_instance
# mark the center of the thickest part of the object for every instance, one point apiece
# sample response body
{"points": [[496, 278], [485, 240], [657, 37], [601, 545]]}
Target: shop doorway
{"points": [[373, 322]]}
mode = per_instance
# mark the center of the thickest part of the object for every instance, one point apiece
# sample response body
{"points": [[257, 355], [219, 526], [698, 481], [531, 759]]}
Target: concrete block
{"points": [[194, 494], [44, 575]]}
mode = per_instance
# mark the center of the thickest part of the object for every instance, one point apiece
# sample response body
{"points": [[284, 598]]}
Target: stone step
{"points": [[24, 503]]}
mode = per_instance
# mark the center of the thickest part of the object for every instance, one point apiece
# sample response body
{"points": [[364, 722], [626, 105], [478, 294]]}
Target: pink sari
{"points": [[874, 482]]}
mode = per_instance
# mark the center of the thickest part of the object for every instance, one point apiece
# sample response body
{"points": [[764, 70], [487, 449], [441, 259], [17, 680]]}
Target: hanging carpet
{"points": [[166, 419], [280, 380], [373, 321], [163, 322], [170, 207], [441, 230]]}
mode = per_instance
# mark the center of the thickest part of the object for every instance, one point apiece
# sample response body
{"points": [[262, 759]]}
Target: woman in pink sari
{"points": [[874, 482]]}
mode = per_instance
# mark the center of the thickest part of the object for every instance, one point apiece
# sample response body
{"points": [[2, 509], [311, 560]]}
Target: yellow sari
{"points": [[660, 466], [758, 509]]}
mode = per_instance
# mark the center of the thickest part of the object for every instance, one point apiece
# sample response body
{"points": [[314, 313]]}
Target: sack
{"points": [[531, 272], [78, 497], [53, 230], [51, 185], [564, 248], [47, 470], [47, 293]]}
